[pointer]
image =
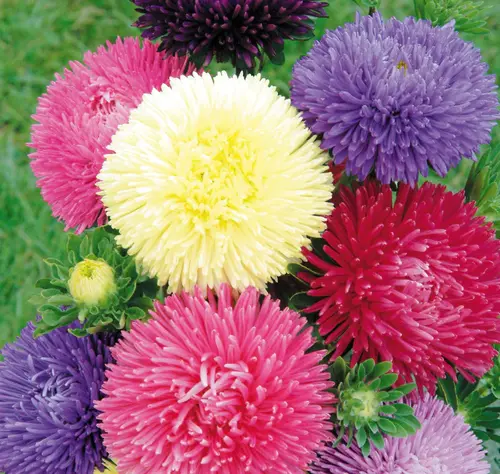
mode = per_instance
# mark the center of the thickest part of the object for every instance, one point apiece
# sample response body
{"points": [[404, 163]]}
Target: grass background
{"points": [[37, 39]]}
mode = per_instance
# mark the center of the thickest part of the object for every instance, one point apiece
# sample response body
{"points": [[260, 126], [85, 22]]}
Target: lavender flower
{"points": [[396, 97], [48, 423], [239, 31], [445, 443]]}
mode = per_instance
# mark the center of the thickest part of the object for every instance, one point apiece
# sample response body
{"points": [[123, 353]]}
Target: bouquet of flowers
{"points": [[256, 284]]}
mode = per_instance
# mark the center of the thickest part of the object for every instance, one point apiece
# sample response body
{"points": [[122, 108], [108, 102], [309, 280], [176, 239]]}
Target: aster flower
{"points": [[98, 285], [210, 185], [48, 386], [444, 444], [396, 97], [240, 31], [217, 387], [78, 116], [415, 282], [366, 404]]}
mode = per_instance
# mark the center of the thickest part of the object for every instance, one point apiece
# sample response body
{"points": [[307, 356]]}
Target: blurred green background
{"points": [[37, 39]]}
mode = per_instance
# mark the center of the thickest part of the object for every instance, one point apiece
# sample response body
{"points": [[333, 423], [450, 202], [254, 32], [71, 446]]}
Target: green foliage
{"points": [[483, 184], [130, 299], [372, 5], [368, 406], [469, 15], [476, 402]]}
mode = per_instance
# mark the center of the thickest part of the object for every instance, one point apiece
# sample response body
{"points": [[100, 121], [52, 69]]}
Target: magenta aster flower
{"points": [[78, 116], [415, 282], [217, 387], [396, 97], [444, 444], [239, 31]]}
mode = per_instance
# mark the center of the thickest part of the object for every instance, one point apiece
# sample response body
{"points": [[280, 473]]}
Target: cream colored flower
{"points": [[216, 180]]}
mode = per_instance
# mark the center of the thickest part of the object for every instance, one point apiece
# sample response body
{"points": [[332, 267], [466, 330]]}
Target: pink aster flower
{"points": [[416, 282], [444, 444], [217, 387], [80, 113]]}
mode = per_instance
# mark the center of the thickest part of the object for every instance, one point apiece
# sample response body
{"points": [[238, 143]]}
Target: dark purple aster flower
{"points": [[396, 97], [48, 423], [239, 31]]}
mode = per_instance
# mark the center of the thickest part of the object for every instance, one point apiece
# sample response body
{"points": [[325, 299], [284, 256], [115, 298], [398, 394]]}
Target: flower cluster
{"points": [[213, 212]]}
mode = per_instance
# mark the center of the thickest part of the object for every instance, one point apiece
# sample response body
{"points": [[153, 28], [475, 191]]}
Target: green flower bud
{"points": [[92, 282]]}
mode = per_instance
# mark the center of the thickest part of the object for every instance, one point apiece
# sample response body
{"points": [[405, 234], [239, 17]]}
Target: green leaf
{"points": [[448, 390], [369, 365], [375, 385], [378, 440], [387, 380], [300, 301], [387, 409], [391, 396], [44, 283], [135, 313], [365, 449], [386, 425], [339, 369], [61, 300], [402, 409], [361, 437], [407, 388], [380, 369]]}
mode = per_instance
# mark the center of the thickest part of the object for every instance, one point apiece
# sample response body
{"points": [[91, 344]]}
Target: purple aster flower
{"points": [[48, 423], [239, 31], [396, 97], [444, 444]]}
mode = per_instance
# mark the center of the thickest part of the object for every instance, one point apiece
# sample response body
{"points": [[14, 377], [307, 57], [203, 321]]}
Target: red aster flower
{"points": [[415, 281]]}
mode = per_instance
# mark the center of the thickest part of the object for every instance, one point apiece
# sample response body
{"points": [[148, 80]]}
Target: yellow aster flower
{"points": [[110, 468], [216, 180], [91, 282]]}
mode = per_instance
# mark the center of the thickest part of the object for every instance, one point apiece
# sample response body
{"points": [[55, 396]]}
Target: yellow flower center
{"points": [[91, 282], [370, 403], [403, 65], [217, 179]]}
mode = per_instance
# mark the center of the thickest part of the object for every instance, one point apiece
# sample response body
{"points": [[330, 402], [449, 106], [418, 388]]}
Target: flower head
{"points": [[444, 444], [217, 387], [216, 180], [240, 31], [396, 97], [98, 285], [48, 386], [366, 404], [416, 282], [78, 116], [92, 282]]}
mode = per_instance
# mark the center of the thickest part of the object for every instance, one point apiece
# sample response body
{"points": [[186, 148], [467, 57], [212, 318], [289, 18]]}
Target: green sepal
{"points": [[130, 299]]}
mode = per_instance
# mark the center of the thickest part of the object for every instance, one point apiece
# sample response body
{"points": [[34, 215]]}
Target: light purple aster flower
{"points": [[239, 31], [444, 445], [48, 423], [396, 97]]}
